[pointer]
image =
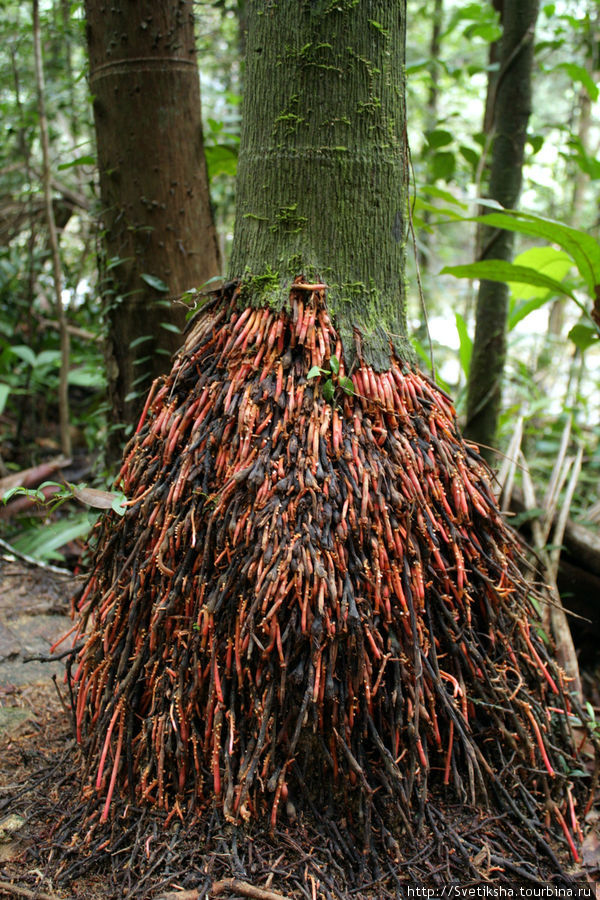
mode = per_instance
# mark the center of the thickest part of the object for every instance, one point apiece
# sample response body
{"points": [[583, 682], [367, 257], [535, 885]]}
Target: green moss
{"points": [[288, 221], [384, 32], [260, 289]]}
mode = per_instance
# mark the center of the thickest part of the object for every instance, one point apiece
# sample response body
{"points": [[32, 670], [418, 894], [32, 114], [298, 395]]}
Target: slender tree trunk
{"points": [[511, 104], [63, 387], [326, 150], [156, 213]]}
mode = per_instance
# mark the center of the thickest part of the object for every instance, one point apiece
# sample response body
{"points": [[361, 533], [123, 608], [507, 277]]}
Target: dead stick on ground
{"points": [[16, 890], [243, 887], [227, 884]]}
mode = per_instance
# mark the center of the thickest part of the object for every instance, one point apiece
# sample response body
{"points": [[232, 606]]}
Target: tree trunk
{"points": [[329, 135], [511, 107], [63, 386], [156, 216], [311, 606]]}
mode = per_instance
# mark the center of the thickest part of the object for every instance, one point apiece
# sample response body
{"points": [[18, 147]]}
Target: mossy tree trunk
{"points": [[322, 177], [511, 107], [156, 211]]}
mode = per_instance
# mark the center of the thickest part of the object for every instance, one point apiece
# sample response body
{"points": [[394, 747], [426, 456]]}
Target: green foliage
{"points": [[332, 379]]}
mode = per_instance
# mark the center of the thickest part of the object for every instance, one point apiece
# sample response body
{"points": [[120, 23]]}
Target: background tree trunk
{"points": [[512, 106], [156, 212]]}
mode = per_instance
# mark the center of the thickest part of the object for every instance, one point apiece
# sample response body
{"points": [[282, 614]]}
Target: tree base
{"points": [[314, 602]]}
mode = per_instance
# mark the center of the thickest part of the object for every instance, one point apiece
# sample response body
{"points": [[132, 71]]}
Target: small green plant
{"points": [[61, 492], [332, 379]]}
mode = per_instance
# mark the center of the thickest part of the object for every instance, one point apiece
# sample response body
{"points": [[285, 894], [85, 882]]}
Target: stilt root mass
{"points": [[313, 598]]}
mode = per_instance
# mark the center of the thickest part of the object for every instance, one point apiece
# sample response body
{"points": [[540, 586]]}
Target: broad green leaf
{"points": [[548, 261], [443, 165], [489, 32], [334, 364], [221, 159], [432, 190], [43, 542], [25, 353], [87, 376], [581, 246], [169, 326], [536, 142], [314, 372], [583, 336], [580, 74], [140, 340], [86, 160], [499, 270], [118, 504], [471, 156], [328, 390], [157, 283], [465, 350], [347, 385], [526, 298], [438, 138], [4, 394], [47, 358]]}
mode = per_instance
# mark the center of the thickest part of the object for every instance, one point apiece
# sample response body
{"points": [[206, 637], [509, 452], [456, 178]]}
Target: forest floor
{"points": [[34, 722], [35, 728]]}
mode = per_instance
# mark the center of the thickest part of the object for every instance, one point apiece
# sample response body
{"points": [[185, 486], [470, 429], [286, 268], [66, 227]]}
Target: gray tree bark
{"points": [[511, 104]]}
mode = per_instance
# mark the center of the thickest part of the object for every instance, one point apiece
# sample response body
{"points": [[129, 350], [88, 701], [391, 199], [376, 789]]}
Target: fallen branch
{"points": [[245, 888], [15, 890], [235, 885], [57, 570]]}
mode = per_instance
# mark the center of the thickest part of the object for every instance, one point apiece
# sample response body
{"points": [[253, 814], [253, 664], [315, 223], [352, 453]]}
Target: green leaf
{"points": [[25, 353], [548, 261], [4, 394], [47, 358], [439, 137], [334, 364], [87, 376], [581, 246], [118, 504], [580, 74], [443, 165], [499, 270], [157, 283], [12, 492], [470, 155], [536, 142], [465, 350], [140, 340], [43, 542], [169, 326], [314, 372], [86, 160], [583, 336], [221, 159], [328, 390], [488, 31], [347, 385]]}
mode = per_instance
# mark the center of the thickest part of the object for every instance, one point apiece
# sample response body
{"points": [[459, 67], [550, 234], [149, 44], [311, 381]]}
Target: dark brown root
{"points": [[313, 602]]}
